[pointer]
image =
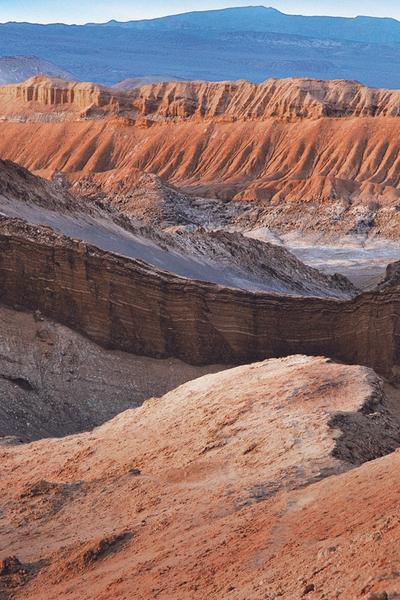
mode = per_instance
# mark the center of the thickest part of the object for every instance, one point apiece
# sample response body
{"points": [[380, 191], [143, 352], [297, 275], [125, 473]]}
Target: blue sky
{"points": [[82, 11]]}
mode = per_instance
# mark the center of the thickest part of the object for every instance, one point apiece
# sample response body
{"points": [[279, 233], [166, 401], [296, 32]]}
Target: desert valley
{"points": [[200, 315]]}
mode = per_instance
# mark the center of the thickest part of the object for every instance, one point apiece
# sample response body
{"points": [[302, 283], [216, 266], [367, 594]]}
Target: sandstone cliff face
{"points": [[286, 99], [129, 305], [32, 99]]}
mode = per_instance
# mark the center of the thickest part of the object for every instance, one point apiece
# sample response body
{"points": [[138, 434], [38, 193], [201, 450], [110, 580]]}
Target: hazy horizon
{"points": [[57, 11]]}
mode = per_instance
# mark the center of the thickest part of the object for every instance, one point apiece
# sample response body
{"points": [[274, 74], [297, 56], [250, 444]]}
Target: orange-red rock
{"points": [[288, 145], [229, 486]]}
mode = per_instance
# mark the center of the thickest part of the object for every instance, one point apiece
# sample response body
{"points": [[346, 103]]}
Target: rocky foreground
{"points": [[246, 484]]}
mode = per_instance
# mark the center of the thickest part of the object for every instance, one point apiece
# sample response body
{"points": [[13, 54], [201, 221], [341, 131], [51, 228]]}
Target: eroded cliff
{"points": [[287, 99], [324, 155], [43, 98], [132, 306]]}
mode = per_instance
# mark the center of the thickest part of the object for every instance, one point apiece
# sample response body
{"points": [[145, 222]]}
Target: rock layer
{"points": [[287, 99], [130, 305], [41, 95]]}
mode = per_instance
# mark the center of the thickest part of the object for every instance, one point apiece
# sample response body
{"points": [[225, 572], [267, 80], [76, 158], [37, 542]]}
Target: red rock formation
{"points": [[288, 146], [244, 484], [286, 99], [42, 95]]}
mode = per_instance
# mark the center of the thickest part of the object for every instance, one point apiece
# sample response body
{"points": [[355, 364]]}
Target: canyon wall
{"points": [[286, 99], [41, 95], [281, 143], [276, 144], [127, 305]]}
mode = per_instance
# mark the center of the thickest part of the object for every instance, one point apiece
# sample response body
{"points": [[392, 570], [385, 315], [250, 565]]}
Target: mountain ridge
{"points": [[14, 69], [254, 18], [284, 147], [241, 43], [160, 101]]}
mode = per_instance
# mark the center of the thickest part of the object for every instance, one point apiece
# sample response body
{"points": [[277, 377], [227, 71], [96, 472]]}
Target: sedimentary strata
{"points": [[132, 306], [312, 153], [286, 99]]}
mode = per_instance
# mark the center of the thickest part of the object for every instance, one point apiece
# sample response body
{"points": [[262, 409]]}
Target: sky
{"points": [[83, 11]]}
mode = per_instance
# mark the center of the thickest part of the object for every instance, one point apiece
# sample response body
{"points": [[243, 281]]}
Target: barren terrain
{"points": [[308, 155], [164, 235], [243, 484], [54, 382]]}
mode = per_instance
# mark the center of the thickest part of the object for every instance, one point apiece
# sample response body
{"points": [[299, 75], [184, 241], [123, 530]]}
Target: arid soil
{"points": [[247, 484]]}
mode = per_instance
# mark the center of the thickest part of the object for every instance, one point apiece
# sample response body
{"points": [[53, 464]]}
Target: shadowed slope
{"points": [[54, 382]]}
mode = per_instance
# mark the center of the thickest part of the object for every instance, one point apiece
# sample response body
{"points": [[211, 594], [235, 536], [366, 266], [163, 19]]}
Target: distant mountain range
{"points": [[264, 19], [253, 43], [14, 69]]}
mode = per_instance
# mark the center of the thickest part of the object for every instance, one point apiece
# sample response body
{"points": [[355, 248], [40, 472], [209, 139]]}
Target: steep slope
{"points": [[14, 69], [310, 154], [54, 382], [287, 99], [223, 258], [211, 491], [40, 95]]}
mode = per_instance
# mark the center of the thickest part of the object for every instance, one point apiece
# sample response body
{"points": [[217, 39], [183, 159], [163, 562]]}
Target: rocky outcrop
{"points": [[41, 95], [338, 175], [288, 99], [132, 306], [244, 475], [285, 99]]}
